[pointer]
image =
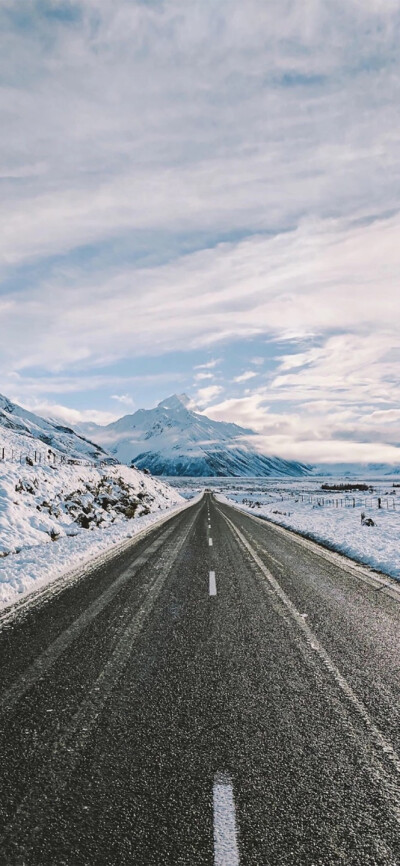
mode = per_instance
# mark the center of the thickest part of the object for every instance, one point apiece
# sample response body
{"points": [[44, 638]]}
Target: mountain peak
{"points": [[175, 401], [175, 439]]}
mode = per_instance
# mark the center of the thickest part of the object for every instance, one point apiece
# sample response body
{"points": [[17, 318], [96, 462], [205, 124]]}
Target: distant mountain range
{"points": [[174, 440], [368, 470], [26, 432]]}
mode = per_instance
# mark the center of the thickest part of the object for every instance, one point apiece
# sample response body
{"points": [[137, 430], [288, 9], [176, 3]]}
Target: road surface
{"points": [[220, 693]]}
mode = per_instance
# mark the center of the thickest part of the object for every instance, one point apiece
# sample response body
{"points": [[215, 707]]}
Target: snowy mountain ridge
{"points": [[175, 440], [24, 432]]}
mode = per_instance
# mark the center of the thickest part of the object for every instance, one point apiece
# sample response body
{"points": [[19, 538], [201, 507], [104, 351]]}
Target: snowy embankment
{"points": [[53, 520], [339, 528]]}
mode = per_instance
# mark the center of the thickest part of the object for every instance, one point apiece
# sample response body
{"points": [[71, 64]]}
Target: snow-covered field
{"points": [[53, 520], [331, 517]]}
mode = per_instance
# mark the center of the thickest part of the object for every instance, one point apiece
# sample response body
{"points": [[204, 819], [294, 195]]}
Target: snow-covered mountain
{"points": [[172, 440], [24, 432]]}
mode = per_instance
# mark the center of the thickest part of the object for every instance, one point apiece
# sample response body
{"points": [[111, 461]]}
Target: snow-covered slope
{"points": [[175, 440], [23, 432], [54, 518], [39, 504]]}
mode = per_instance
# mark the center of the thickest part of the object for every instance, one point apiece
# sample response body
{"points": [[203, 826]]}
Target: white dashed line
{"points": [[210, 542], [213, 585], [226, 852]]}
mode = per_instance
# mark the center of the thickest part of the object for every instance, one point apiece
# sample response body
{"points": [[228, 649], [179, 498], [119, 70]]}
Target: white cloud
{"points": [[358, 368], [66, 415], [318, 278], [124, 399], [191, 116], [30, 389], [320, 431], [244, 377], [206, 395], [200, 377], [209, 365]]}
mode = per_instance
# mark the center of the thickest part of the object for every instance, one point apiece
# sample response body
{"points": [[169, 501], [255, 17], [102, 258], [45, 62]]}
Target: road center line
{"points": [[226, 852], [210, 543], [212, 584], [378, 738]]}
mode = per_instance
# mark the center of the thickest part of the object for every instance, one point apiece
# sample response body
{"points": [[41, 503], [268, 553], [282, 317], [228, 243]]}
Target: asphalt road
{"points": [[217, 694]]}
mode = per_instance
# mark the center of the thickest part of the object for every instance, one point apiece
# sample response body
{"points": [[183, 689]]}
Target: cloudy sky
{"points": [[203, 196]]}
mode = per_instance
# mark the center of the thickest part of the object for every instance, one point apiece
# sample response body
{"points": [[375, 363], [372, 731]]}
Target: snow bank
{"points": [[337, 527], [53, 520]]}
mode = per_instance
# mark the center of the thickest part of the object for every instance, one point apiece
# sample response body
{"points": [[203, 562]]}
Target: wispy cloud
{"points": [[319, 278], [244, 377], [200, 377], [206, 395], [125, 399], [72, 417], [209, 365]]}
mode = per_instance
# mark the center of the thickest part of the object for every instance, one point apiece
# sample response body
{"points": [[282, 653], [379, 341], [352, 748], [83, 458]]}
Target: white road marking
{"points": [[377, 737], [213, 585], [226, 852], [210, 542]]}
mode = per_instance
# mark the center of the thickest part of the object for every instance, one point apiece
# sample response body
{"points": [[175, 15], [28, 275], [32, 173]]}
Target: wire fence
{"points": [[377, 500], [384, 501]]}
